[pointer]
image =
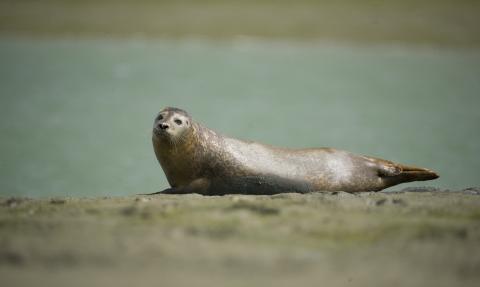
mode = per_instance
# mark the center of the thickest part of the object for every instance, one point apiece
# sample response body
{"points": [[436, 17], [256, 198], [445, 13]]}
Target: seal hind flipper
{"points": [[411, 173], [415, 173], [394, 173]]}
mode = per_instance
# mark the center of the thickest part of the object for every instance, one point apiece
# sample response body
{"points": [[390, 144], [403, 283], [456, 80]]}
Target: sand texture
{"points": [[422, 237]]}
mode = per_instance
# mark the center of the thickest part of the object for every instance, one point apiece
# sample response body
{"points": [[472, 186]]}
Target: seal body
{"points": [[196, 159]]}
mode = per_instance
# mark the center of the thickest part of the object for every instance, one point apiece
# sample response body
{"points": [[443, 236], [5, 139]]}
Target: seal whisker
{"points": [[182, 138], [173, 141]]}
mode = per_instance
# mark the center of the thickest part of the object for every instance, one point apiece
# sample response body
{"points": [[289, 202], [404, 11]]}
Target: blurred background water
{"points": [[76, 115], [81, 82]]}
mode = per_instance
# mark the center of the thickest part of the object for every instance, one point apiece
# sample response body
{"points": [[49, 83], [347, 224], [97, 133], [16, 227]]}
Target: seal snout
{"points": [[162, 126], [161, 129]]}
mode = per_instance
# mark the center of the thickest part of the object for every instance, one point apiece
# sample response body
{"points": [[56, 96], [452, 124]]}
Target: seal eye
{"points": [[160, 117], [178, 122]]}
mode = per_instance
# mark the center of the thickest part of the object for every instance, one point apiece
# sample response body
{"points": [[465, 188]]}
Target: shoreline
{"points": [[452, 24]]}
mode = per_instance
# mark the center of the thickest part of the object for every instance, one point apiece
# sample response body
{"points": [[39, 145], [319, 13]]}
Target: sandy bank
{"points": [[425, 238]]}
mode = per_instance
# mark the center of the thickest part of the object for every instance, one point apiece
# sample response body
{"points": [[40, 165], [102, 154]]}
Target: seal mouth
{"points": [[166, 138], [161, 133]]}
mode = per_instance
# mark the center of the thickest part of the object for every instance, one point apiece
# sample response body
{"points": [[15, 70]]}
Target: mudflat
{"points": [[419, 237]]}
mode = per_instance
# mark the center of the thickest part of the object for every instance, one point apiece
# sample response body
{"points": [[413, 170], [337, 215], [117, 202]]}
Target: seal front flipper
{"points": [[200, 186], [173, 190], [165, 191]]}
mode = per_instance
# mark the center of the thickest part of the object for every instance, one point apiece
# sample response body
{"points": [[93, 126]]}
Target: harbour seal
{"points": [[196, 159]]}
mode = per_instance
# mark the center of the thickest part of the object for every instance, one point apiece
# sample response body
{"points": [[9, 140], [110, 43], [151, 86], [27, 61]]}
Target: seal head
{"points": [[172, 127]]}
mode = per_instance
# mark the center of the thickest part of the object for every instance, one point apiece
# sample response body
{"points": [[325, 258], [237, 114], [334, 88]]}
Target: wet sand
{"points": [[424, 237]]}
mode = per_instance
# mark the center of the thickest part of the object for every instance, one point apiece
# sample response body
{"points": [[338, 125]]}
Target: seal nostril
{"points": [[163, 126]]}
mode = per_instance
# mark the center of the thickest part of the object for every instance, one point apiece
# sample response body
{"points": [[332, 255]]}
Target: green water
{"points": [[76, 114]]}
